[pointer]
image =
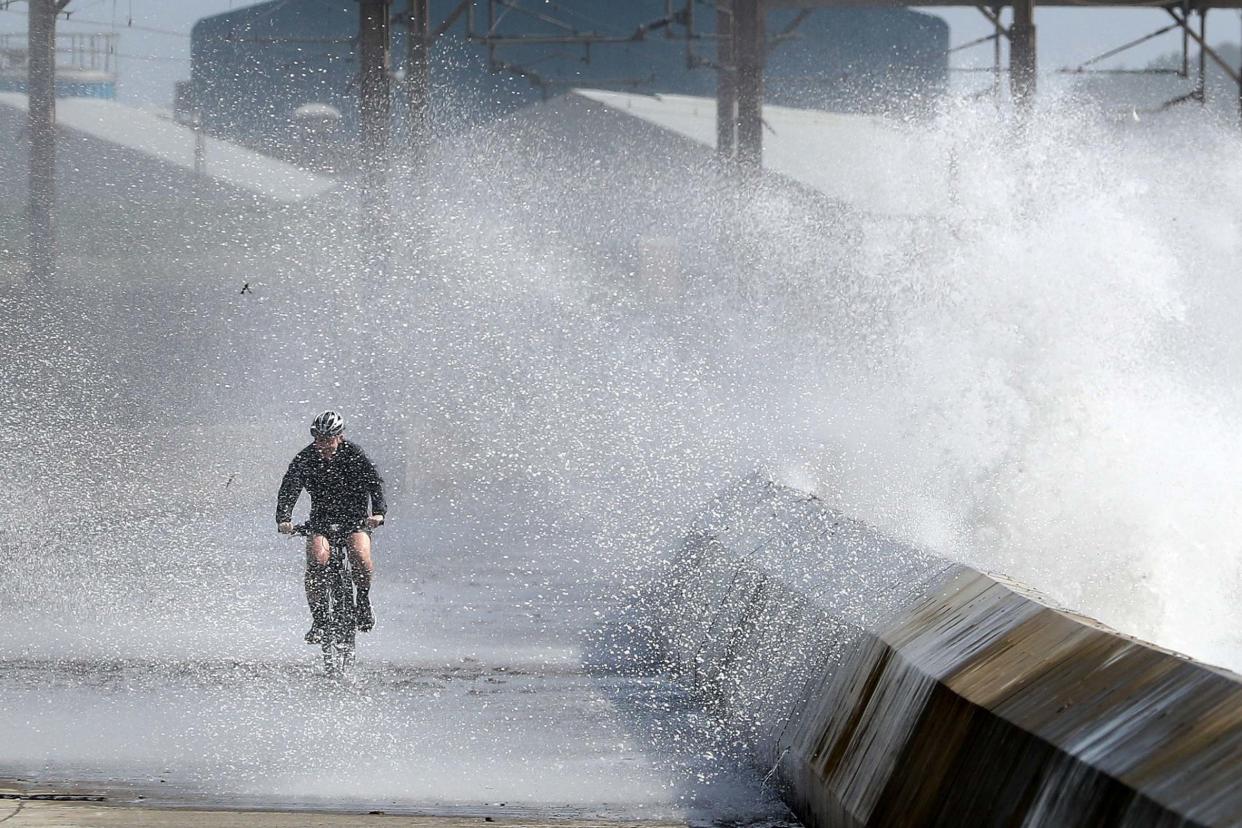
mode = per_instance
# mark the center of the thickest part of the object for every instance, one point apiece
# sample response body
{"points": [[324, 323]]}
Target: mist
{"points": [[586, 331]]}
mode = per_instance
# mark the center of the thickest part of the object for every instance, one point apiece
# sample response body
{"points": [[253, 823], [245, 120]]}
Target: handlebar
{"points": [[304, 529]]}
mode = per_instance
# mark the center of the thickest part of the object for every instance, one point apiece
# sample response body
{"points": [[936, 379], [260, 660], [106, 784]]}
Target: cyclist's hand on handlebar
{"points": [[375, 520], [285, 528]]}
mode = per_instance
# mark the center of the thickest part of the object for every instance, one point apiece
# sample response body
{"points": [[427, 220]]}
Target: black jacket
{"points": [[339, 488]]}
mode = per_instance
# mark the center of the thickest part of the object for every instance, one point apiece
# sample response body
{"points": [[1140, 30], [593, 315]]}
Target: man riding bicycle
{"points": [[345, 490]]}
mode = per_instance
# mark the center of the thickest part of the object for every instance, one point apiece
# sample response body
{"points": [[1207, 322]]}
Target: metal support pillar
{"points": [[41, 127], [998, 32], [374, 112], [749, 45], [1201, 80], [726, 83], [418, 73], [1185, 47], [1022, 64], [491, 32]]}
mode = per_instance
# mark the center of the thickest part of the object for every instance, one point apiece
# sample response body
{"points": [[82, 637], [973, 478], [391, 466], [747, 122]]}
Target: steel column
{"points": [[1201, 80], [997, 33], [749, 52], [417, 71], [1022, 62], [374, 112], [726, 82], [1185, 46], [41, 127]]}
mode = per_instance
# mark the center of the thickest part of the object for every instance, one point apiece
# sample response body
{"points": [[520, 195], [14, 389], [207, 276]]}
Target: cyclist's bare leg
{"points": [[317, 552], [360, 557]]}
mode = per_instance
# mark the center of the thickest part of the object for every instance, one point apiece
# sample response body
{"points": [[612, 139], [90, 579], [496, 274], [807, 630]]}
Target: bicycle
{"points": [[341, 625]]}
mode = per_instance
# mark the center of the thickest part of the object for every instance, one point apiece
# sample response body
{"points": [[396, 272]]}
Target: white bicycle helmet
{"points": [[328, 424]]}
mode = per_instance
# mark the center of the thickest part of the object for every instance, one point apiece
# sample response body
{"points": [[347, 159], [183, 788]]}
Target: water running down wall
{"points": [[952, 698]]}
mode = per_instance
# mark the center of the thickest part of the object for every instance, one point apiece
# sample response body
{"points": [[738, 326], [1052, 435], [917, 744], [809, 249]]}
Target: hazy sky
{"points": [[152, 60]]}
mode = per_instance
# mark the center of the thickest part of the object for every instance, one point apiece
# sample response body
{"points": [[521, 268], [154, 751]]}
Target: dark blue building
{"points": [[253, 67]]}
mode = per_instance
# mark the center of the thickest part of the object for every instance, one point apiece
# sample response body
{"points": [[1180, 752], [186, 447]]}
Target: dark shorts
{"points": [[336, 536]]}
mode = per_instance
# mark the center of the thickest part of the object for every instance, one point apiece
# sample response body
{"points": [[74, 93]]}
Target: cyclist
{"points": [[345, 489]]}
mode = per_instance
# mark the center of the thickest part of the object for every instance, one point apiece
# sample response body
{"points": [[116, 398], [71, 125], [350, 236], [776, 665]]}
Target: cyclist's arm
{"points": [[375, 487], [290, 491]]}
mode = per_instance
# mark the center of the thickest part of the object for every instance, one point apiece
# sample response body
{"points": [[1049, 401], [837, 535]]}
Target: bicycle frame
{"points": [[339, 636]]}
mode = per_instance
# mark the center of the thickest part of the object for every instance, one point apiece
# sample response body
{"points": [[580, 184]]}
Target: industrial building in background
{"points": [[283, 75], [85, 64]]}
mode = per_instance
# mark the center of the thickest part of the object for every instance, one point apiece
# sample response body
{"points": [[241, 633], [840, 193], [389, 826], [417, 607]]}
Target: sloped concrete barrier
{"points": [[882, 686]]}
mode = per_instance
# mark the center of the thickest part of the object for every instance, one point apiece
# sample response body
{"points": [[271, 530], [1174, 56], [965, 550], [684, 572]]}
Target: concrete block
{"points": [[881, 685]]}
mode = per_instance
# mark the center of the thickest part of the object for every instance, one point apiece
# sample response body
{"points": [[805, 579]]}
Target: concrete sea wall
{"points": [[880, 685]]}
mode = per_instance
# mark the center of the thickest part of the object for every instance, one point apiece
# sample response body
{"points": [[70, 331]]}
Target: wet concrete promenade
{"points": [[36, 813], [484, 691]]}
